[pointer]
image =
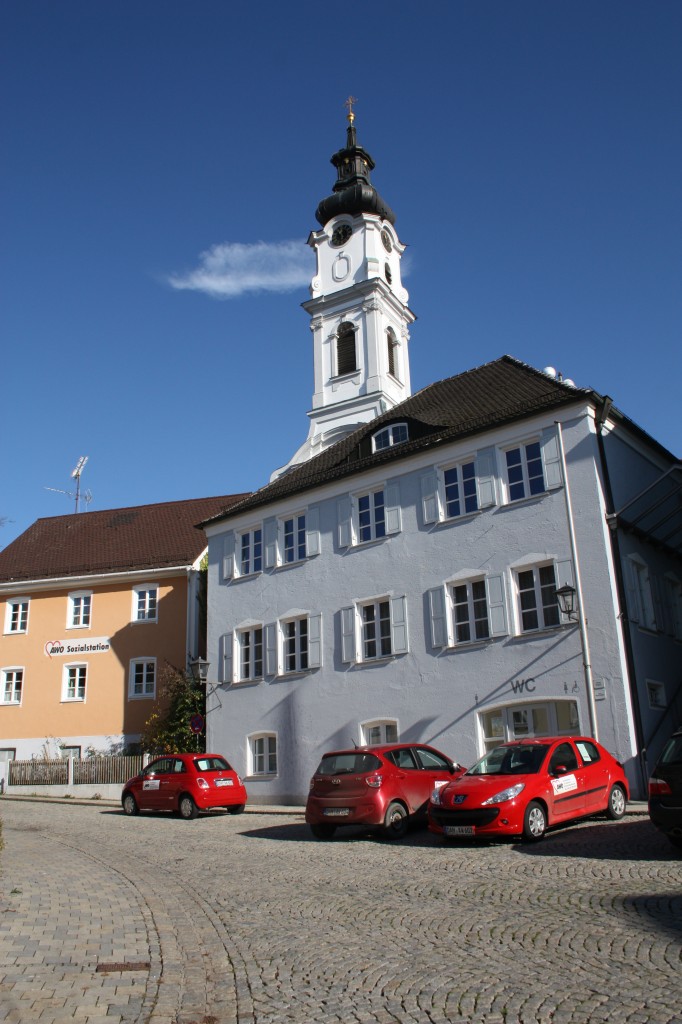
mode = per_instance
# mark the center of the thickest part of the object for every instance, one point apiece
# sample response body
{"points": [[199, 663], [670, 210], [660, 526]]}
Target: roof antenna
{"points": [[76, 475]]}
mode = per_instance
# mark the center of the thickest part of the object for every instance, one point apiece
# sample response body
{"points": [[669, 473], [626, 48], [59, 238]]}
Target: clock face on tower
{"points": [[386, 240], [341, 234]]}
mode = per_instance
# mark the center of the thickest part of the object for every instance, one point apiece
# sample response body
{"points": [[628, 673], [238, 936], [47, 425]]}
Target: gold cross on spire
{"points": [[349, 103]]}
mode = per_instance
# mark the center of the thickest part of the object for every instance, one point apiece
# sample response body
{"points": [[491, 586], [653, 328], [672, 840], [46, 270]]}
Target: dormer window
{"points": [[346, 359], [397, 433]]}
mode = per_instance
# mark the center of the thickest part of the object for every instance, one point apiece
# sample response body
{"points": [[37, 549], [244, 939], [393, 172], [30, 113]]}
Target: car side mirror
{"points": [[454, 767], [560, 769]]}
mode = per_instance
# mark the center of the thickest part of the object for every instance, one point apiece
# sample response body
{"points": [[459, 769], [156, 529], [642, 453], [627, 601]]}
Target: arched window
{"points": [[346, 359], [382, 730], [392, 344]]}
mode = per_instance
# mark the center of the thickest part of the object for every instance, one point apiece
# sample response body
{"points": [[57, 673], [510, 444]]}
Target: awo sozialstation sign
{"points": [[69, 648]]}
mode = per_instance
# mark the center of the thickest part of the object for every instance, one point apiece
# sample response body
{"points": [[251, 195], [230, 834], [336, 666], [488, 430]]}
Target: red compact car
{"points": [[185, 783], [386, 786], [525, 787]]}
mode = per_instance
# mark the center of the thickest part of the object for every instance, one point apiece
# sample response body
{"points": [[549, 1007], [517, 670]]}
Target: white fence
{"points": [[90, 777]]}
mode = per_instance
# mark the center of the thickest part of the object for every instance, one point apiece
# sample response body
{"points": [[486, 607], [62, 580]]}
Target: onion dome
{"points": [[353, 191]]}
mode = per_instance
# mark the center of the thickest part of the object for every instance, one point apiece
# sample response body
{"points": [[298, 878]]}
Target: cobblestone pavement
{"points": [[247, 920]]}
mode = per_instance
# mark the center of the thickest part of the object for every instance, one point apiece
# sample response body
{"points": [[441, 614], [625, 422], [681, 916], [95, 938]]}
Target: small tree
{"points": [[169, 732]]}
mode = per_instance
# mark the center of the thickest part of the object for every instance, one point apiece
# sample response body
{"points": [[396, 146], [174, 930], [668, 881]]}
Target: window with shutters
{"points": [[461, 488], [292, 538], [374, 629], [532, 467], [346, 356], [468, 611], [537, 601], [250, 650], [640, 588], [250, 552], [369, 516]]}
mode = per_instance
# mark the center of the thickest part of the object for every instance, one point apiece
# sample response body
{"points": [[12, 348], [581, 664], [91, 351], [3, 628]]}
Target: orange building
{"points": [[93, 605]]}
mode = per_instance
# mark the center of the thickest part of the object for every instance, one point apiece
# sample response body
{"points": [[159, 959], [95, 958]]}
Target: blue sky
{"points": [[161, 166]]}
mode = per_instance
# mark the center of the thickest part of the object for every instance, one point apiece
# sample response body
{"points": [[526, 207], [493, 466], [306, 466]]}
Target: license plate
{"points": [[336, 812], [460, 830], [224, 782]]}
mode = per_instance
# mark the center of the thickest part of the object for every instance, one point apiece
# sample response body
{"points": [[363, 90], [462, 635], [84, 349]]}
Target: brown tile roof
{"points": [[116, 540], [487, 396]]}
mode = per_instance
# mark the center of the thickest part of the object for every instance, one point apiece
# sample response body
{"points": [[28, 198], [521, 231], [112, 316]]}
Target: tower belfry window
{"points": [[346, 358], [391, 342]]}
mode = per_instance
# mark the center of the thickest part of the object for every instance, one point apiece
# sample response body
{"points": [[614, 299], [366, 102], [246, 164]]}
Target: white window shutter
{"points": [[564, 575], [429, 485], [497, 605], [399, 625], [344, 517], [271, 660], [312, 535], [228, 556], [549, 445], [270, 542], [348, 647], [437, 614], [632, 590], [226, 659], [486, 471], [314, 641], [392, 507]]}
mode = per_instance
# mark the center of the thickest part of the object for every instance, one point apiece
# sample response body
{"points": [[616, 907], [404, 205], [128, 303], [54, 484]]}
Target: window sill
{"points": [[261, 777], [141, 696]]}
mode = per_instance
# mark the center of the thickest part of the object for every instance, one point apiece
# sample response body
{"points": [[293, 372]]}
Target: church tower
{"points": [[358, 306]]}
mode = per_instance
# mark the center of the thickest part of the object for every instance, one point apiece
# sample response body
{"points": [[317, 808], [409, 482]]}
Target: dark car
{"points": [[386, 786], [186, 784], [524, 787], [665, 790]]}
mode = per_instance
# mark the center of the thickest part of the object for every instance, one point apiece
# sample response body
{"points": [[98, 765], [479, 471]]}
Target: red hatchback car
{"points": [[525, 787], [386, 786], [185, 783]]}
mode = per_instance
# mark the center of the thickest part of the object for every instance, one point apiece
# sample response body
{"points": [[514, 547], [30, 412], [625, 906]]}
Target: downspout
{"points": [[600, 419], [582, 623]]}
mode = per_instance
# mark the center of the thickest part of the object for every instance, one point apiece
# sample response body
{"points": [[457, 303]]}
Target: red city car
{"points": [[525, 787], [386, 786], [185, 783]]}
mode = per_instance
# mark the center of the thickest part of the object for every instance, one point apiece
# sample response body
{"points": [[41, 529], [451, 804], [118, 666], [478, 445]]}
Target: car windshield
{"points": [[521, 760], [211, 764], [346, 764], [672, 753]]}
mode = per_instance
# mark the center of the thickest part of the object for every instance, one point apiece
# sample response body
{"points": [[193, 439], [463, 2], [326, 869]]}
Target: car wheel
{"points": [[395, 822], [130, 805], [323, 831], [616, 806], [676, 841], [236, 809], [187, 808], [534, 822]]}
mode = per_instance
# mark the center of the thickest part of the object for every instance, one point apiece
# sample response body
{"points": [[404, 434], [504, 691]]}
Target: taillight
{"points": [[658, 787], [239, 780], [312, 784], [202, 783], [374, 781]]}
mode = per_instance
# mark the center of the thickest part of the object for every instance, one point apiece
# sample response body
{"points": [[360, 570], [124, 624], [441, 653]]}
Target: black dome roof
{"points": [[353, 191]]}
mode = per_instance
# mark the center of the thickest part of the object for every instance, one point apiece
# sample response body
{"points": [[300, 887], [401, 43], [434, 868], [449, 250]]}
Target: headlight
{"points": [[506, 794], [435, 796]]}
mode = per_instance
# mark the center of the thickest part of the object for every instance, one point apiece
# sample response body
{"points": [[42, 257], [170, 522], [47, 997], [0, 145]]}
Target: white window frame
{"points": [[354, 638], [7, 754], [434, 489], [550, 464], [145, 663], [17, 607], [563, 573], [142, 596], [260, 761], [247, 641], [349, 515], [392, 433], [278, 644], [10, 695], [82, 668], [382, 725], [442, 609], [255, 548], [276, 554], [75, 601]]}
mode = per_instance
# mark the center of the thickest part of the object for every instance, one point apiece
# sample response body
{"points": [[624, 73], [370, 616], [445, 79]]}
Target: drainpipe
{"points": [[600, 419], [582, 622]]}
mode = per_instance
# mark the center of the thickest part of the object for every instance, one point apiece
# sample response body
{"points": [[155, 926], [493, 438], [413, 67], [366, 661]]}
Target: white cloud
{"points": [[232, 268]]}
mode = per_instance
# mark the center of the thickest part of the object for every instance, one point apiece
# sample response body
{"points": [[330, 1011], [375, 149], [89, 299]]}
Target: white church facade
{"points": [[399, 577]]}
